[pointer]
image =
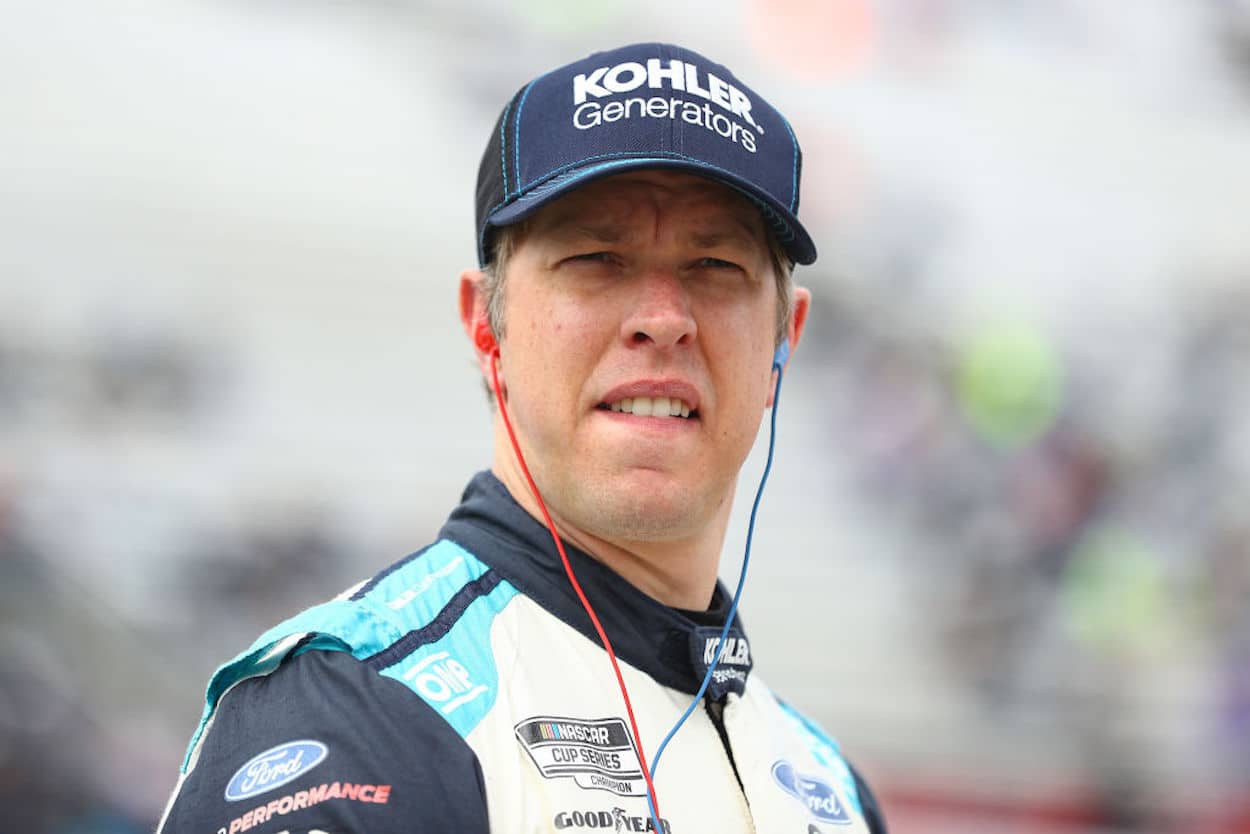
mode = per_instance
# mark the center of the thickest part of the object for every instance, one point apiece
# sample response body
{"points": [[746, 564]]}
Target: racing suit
{"points": [[464, 690]]}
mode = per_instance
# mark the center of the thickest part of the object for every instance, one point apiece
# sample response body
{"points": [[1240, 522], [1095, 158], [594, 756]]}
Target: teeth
{"points": [[652, 407]]}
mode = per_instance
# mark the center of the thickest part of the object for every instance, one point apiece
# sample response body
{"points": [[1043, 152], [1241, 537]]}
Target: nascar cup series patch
{"points": [[597, 754]]}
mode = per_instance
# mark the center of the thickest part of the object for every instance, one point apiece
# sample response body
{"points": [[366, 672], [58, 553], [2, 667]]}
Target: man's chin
{"points": [[645, 509]]}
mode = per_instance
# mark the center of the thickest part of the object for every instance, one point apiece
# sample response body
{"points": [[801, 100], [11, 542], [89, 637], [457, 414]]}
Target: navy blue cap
{"points": [[648, 105]]}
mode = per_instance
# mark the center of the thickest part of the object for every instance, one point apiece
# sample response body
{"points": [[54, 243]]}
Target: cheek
{"points": [[576, 333], [746, 350], [553, 354]]}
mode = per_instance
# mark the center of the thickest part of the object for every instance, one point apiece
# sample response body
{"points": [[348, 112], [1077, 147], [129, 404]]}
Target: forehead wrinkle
{"points": [[715, 233], [716, 211], [581, 216]]}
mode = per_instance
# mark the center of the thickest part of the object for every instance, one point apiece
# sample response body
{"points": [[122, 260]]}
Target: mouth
{"points": [[671, 407]]}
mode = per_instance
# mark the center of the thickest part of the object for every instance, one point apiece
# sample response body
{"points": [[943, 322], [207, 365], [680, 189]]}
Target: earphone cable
{"points": [[733, 608], [652, 802]]}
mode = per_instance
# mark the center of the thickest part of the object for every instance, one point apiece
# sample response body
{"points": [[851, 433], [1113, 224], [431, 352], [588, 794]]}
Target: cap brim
{"points": [[789, 232]]}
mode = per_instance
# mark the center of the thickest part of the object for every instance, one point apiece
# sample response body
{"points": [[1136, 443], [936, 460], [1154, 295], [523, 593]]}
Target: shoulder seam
{"points": [[437, 628]]}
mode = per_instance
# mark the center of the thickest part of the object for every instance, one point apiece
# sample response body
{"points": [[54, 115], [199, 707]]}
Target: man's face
{"points": [[647, 292]]}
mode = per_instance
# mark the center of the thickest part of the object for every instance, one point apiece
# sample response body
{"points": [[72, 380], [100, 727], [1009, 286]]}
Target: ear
{"points": [[474, 319], [800, 305]]}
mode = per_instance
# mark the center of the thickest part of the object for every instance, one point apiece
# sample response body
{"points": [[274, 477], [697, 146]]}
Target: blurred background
{"points": [[1005, 552]]}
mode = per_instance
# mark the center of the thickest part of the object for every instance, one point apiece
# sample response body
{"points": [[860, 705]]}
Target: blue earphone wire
{"points": [[779, 361]]}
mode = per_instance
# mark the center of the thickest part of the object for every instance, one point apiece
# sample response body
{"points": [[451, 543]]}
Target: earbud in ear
{"points": [[782, 354], [484, 339]]}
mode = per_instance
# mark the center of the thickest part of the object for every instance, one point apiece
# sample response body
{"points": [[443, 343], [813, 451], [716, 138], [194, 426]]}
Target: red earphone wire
{"points": [[568, 570]]}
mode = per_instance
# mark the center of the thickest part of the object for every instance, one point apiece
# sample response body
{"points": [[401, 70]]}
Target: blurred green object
{"points": [[571, 16], [1115, 593], [1010, 382]]}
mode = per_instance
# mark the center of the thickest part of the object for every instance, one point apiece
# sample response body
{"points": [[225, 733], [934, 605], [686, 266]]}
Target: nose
{"points": [[661, 314]]}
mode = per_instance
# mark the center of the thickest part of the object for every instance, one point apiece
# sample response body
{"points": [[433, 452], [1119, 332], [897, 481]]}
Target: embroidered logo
{"points": [[597, 754], [817, 795], [275, 767]]}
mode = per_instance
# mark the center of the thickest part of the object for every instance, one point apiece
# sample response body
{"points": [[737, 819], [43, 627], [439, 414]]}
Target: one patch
{"points": [[817, 795], [275, 767], [597, 754]]}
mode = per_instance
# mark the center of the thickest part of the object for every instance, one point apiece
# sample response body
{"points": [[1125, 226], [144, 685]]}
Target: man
{"points": [[636, 230]]}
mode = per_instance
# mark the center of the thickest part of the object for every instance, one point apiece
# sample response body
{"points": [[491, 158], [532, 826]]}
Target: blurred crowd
{"points": [[1080, 552], [99, 583]]}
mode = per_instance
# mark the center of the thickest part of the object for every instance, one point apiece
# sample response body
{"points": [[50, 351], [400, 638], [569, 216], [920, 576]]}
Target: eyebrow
{"points": [[710, 240], [741, 235]]}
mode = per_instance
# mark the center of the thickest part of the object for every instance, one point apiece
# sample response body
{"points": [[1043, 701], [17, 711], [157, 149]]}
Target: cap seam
{"points": [[794, 164], [516, 133], [503, 146]]}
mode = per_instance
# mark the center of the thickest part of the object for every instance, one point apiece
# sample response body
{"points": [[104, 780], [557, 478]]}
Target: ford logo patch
{"points": [[276, 766], [816, 795]]}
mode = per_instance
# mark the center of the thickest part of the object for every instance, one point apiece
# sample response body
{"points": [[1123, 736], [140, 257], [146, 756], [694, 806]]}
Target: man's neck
{"points": [[680, 573]]}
